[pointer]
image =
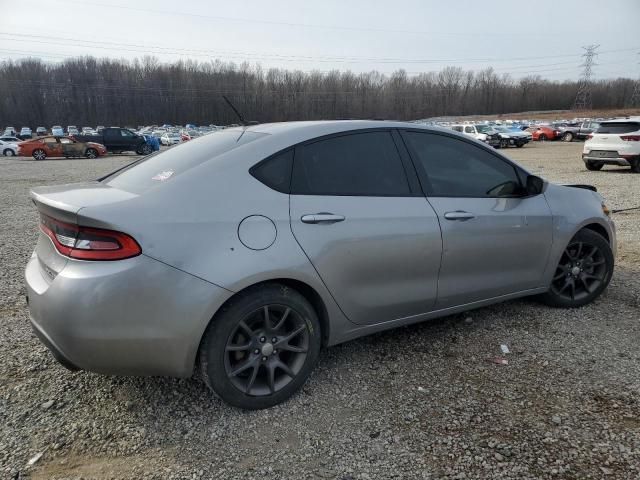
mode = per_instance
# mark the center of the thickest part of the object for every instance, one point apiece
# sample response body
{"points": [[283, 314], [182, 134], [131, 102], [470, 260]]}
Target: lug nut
{"points": [[263, 339], [264, 359], [256, 351], [274, 340], [275, 352]]}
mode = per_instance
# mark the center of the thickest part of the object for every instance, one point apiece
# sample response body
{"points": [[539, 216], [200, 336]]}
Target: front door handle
{"points": [[322, 217], [459, 215]]}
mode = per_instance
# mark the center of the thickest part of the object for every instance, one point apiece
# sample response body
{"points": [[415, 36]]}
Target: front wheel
{"points": [[542, 137], [582, 274], [594, 165], [520, 144], [91, 153], [145, 149], [261, 348], [39, 154], [504, 143], [8, 152]]}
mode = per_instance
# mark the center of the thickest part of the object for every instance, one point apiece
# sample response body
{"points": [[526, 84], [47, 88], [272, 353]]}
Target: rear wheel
{"points": [[520, 144], [145, 149], [582, 274], [261, 348], [8, 152], [91, 153], [542, 137], [567, 137], [39, 154], [594, 165], [635, 165]]}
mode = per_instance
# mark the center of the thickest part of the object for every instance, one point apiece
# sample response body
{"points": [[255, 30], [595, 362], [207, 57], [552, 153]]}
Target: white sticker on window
{"points": [[162, 176]]}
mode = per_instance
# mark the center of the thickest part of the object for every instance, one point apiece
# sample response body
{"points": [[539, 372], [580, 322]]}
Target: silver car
{"points": [[242, 254]]}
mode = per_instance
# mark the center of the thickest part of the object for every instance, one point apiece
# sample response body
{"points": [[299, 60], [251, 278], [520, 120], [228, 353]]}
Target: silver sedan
{"points": [[242, 254]]}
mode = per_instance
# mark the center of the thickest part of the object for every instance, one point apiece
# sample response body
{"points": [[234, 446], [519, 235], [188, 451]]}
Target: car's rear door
{"points": [[496, 239], [358, 214]]}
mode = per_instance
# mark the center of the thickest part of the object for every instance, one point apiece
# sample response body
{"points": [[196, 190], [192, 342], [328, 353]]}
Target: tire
{"points": [[243, 349], [39, 154], [587, 258], [519, 144], [594, 165], [91, 153], [542, 137], [567, 137], [635, 165], [8, 152], [504, 143], [145, 149]]}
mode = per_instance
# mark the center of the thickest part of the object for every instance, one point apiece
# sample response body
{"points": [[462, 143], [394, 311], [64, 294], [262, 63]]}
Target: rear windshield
{"points": [[618, 127], [166, 165]]}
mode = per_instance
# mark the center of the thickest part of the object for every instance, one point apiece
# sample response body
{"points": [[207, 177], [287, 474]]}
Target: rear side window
{"points": [[618, 127], [455, 168], [275, 172], [361, 164], [164, 166]]}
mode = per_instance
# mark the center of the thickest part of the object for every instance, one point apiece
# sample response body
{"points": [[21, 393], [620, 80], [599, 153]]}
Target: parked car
{"points": [[10, 139], [57, 131], [71, 131], [615, 142], [50, 146], [88, 131], [8, 149], [99, 128], [25, 133], [246, 252], [9, 132], [41, 131], [170, 138], [71, 127], [118, 140], [543, 132], [510, 137], [483, 133], [581, 131]]}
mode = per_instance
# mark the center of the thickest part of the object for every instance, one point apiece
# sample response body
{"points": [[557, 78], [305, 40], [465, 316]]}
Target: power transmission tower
{"points": [[583, 97], [634, 101]]}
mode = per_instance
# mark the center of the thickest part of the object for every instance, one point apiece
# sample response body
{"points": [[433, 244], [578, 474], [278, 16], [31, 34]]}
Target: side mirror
{"points": [[535, 185]]}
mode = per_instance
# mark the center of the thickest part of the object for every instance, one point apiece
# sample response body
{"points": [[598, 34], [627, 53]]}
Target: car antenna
{"points": [[243, 122]]}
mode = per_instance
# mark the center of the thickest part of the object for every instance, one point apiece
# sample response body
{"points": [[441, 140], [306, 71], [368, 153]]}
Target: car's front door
{"points": [[496, 238], [371, 236], [53, 147]]}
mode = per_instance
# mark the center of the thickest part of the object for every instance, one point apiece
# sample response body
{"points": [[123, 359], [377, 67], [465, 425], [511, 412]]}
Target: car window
{"points": [[275, 172], [66, 140], [455, 168], [156, 169], [50, 140], [457, 129], [126, 133], [618, 127], [468, 129], [364, 164]]}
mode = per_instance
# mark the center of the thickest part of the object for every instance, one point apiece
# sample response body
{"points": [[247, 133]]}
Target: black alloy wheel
{"points": [[584, 271], [261, 348]]}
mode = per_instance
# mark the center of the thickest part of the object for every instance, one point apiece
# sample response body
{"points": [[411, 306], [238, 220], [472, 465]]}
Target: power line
{"points": [[583, 97], [634, 101]]}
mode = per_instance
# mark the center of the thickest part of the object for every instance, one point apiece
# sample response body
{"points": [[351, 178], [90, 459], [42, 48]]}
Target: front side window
{"points": [[359, 164], [126, 133], [455, 168], [468, 129]]}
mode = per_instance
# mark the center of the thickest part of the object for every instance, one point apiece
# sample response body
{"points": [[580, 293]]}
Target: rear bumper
{"points": [[131, 317], [621, 161]]}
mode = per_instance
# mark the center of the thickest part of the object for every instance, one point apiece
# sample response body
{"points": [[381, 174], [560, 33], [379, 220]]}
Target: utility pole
{"points": [[583, 97], [634, 101]]}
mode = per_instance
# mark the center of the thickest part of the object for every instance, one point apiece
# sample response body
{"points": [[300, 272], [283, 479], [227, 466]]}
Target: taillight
{"points": [[86, 243], [630, 138], [590, 136]]}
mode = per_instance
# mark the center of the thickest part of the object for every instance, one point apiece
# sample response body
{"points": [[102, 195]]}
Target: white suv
{"points": [[484, 133], [616, 142]]}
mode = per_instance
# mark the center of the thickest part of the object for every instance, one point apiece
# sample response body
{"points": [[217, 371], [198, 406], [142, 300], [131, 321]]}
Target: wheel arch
{"points": [[306, 290], [596, 227]]}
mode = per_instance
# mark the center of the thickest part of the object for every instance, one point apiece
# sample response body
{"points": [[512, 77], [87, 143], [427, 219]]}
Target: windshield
{"points": [[618, 127], [156, 169]]}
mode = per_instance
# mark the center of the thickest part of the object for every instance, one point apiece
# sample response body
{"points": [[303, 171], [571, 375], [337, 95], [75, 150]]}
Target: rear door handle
{"points": [[459, 215], [322, 217]]}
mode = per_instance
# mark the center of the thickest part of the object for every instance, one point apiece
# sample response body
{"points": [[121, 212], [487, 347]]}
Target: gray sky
{"points": [[518, 37]]}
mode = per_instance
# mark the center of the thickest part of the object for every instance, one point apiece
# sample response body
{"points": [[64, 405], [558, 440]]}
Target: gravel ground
{"points": [[418, 402]]}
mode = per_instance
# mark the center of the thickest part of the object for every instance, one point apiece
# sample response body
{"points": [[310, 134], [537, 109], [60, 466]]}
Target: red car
{"points": [[544, 132], [43, 147]]}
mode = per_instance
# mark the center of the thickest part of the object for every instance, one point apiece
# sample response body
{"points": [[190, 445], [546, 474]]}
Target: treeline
{"points": [[90, 91]]}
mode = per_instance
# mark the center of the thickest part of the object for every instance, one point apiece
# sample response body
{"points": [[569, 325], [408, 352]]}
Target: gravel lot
{"points": [[419, 402]]}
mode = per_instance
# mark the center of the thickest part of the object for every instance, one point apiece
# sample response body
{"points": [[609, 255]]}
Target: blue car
{"points": [[153, 142]]}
